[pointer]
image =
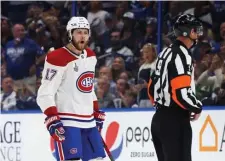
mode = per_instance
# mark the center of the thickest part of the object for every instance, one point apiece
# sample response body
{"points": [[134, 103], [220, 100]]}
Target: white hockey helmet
{"points": [[77, 23]]}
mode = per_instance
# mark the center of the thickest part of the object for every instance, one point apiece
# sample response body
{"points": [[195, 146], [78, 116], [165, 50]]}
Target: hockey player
{"points": [[67, 98]]}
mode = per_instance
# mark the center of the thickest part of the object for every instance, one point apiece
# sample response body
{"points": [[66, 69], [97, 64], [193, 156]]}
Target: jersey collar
{"points": [[82, 55]]}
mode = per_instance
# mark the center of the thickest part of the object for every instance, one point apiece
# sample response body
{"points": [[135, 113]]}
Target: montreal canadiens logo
{"points": [[73, 150], [85, 82]]}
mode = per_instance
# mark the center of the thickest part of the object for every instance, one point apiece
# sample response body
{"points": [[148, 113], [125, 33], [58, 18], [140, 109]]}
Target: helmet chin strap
{"points": [[71, 39]]}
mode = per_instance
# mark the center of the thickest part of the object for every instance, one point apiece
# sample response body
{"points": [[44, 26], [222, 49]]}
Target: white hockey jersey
{"points": [[67, 84]]}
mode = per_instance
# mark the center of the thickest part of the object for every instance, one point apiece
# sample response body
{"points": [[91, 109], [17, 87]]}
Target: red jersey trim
{"points": [[90, 52], [75, 115], [60, 57], [51, 111], [95, 104]]}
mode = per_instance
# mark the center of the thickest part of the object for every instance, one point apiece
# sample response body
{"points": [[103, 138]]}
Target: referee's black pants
{"points": [[172, 134]]}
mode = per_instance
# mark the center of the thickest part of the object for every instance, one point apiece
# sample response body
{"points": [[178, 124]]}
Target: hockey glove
{"points": [[99, 118], [55, 128]]}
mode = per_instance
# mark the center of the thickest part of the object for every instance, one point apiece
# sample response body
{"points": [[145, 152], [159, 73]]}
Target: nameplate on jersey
{"points": [[85, 82]]}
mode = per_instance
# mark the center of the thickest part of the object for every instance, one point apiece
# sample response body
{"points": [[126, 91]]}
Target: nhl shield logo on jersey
{"points": [[85, 82]]}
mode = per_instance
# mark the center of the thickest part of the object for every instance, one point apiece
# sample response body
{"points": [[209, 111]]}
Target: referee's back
{"points": [[172, 84], [172, 91]]}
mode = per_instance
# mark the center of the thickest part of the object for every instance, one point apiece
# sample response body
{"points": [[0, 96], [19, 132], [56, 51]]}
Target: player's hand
{"points": [[99, 118], [55, 128], [194, 116]]}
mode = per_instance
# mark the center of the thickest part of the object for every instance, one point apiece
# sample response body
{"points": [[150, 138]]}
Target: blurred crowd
{"points": [[124, 38]]}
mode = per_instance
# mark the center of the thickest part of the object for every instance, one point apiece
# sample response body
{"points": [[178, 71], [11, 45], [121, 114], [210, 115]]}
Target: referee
{"points": [[172, 91]]}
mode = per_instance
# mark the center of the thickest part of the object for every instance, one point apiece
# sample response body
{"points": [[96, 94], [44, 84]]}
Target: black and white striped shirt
{"points": [[172, 83]]}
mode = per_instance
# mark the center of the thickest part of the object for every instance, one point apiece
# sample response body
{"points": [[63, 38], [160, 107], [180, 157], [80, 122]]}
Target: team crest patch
{"points": [[85, 82], [73, 151]]}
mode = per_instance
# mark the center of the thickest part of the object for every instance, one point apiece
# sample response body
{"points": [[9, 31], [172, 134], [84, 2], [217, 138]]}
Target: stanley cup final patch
{"points": [[75, 67]]}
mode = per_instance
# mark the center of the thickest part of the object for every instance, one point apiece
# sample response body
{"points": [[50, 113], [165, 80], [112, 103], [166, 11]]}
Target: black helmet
{"points": [[185, 23]]}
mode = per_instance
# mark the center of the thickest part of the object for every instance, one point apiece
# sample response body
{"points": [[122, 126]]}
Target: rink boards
{"points": [[23, 137]]}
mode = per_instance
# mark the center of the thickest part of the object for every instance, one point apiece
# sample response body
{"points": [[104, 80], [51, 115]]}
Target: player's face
{"points": [[80, 38], [193, 34]]}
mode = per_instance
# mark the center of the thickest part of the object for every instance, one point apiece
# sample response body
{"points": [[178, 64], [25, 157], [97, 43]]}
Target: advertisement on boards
{"points": [[209, 136], [128, 136], [23, 137]]}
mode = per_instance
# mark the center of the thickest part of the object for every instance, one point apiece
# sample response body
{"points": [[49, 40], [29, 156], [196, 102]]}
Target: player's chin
{"points": [[82, 46]]}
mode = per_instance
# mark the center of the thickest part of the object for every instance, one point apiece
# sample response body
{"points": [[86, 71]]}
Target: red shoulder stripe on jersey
{"points": [[90, 52], [51, 111], [75, 115], [60, 57]]}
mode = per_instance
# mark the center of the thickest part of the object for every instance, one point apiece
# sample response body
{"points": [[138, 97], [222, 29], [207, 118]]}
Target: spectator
{"points": [[3, 71], [202, 65], [116, 49], [37, 29], [222, 31], [118, 67], [50, 18], [218, 95], [220, 100], [130, 34], [150, 33], [203, 11], [22, 56], [26, 100], [17, 11], [121, 8], [171, 15], [145, 72], [201, 49], [6, 34], [121, 87], [142, 9], [8, 95], [96, 17], [105, 97], [129, 100], [218, 11], [222, 43], [211, 79], [106, 71], [128, 77]]}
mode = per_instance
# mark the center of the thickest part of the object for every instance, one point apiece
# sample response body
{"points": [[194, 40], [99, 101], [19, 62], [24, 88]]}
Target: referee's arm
{"points": [[180, 82], [150, 88]]}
